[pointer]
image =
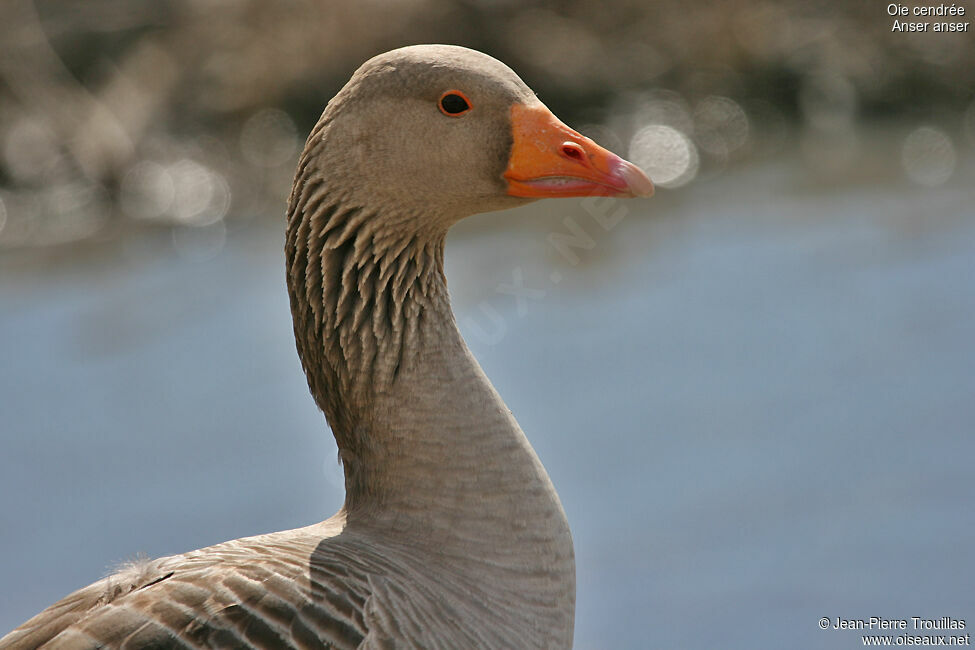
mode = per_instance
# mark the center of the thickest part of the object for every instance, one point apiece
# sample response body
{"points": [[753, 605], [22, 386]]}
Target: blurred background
{"points": [[755, 392]]}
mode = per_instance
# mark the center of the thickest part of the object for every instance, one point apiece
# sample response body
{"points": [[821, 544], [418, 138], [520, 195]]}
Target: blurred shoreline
{"points": [[118, 115], [875, 161]]}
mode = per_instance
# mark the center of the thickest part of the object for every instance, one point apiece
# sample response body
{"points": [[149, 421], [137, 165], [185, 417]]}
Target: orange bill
{"points": [[548, 159]]}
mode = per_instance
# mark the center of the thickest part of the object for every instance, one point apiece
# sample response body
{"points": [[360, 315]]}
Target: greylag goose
{"points": [[451, 535]]}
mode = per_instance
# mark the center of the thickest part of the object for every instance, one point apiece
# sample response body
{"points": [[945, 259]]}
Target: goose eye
{"points": [[454, 103]]}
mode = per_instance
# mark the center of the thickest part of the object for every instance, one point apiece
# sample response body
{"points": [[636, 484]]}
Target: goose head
{"points": [[441, 132], [419, 138]]}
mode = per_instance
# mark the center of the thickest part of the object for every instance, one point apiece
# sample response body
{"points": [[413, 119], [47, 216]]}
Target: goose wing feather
{"points": [[261, 592]]}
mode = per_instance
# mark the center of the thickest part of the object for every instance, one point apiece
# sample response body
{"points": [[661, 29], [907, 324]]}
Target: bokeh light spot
{"points": [[665, 154], [201, 196], [73, 211], [30, 149], [146, 191], [928, 156], [665, 107], [720, 126], [269, 138]]}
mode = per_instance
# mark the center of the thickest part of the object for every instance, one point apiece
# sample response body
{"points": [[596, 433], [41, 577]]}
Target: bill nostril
{"points": [[574, 151]]}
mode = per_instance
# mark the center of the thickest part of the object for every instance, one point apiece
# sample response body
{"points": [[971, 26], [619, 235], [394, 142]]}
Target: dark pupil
{"points": [[454, 104]]}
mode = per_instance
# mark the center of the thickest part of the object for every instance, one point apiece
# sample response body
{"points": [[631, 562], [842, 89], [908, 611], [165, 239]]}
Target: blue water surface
{"points": [[755, 397]]}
